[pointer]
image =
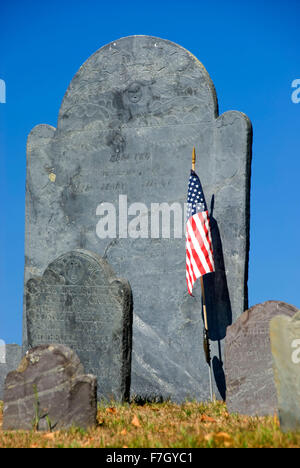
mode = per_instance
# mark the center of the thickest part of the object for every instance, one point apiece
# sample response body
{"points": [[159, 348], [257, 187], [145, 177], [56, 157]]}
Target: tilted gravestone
{"points": [[49, 391], [10, 356], [80, 303], [122, 148], [285, 346], [250, 387]]}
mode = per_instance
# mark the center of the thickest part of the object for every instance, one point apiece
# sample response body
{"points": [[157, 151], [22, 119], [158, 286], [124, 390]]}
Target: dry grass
{"points": [[161, 425]]}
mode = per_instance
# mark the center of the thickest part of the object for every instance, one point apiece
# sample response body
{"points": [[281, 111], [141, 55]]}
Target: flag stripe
{"points": [[189, 284], [190, 270], [189, 279], [201, 219], [206, 227], [195, 273], [199, 254], [196, 248], [193, 267], [200, 237]]}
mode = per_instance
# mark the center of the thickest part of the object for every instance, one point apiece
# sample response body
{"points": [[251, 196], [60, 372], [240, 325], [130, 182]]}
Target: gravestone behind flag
{"points": [[79, 302], [125, 131]]}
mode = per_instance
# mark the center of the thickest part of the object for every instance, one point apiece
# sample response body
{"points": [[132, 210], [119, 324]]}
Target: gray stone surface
{"points": [[49, 390], [10, 356], [127, 126], [285, 346], [250, 387], [79, 302]]}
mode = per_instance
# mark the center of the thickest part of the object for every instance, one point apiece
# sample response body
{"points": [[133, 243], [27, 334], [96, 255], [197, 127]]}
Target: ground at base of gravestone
{"points": [[161, 425]]}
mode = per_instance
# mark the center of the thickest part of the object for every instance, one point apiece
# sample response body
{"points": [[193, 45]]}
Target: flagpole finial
{"points": [[193, 159]]}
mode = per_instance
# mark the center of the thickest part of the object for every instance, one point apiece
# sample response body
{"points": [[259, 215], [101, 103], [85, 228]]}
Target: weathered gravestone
{"points": [[10, 356], [80, 303], [250, 387], [285, 346], [49, 390], [125, 132]]}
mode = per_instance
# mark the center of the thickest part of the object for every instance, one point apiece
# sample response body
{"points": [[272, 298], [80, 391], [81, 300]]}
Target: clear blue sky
{"points": [[251, 51]]}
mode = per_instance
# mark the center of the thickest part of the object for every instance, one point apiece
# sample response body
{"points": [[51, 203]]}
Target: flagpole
{"points": [[206, 335], [193, 159], [206, 339]]}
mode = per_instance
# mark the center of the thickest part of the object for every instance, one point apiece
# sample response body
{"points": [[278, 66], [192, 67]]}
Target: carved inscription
{"points": [[70, 312], [137, 157], [82, 305], [132, 88], [251, 345]]}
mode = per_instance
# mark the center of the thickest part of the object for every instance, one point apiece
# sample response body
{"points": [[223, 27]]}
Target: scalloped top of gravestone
{"points": [[125, 132], [49, 391], [79, 302], [285, 346], [250, 387], [10, 356]]}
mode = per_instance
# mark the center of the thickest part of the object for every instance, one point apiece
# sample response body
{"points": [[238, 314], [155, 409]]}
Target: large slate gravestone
{"points": [[10, 356], [248, 360], [285, 346], [125, 132], [80, 303], [49, 391]]}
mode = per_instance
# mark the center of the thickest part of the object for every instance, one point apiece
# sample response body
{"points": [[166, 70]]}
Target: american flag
{"points": [[199, 255]]}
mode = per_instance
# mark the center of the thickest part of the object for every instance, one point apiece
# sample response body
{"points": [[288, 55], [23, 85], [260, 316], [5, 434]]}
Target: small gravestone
{"points": [[80, 303], [49, 390], [250, 387], [285, 346], [10, 356]]}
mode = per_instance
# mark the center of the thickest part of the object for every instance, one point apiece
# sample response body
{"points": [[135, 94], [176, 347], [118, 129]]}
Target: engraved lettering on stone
{"points": [[83, 308]]}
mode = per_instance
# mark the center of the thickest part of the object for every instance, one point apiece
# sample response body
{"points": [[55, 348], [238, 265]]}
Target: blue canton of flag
{"points": [[195, 199]]}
